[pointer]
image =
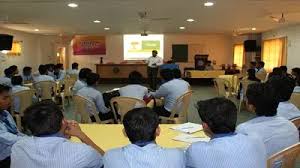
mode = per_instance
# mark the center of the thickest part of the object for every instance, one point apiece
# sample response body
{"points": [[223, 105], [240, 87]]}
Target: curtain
{"points": [[274, 53], [16, 49], [238, 55]]}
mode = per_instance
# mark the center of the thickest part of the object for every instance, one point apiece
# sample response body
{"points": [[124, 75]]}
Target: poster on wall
{"points": [[89, 45]]}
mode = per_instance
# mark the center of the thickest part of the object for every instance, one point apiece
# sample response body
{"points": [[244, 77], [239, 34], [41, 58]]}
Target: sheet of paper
{"points": [[190, 138], [189, 128]]}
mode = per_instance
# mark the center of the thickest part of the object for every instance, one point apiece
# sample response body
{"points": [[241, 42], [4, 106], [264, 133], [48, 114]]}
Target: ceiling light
{"points": [[253, 28], [73, 5], [208, 4], [36, 30], [181, 28], [190, 20], [106, 28], [97, 21]]}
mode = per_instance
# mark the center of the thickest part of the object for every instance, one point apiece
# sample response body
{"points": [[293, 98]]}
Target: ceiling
{"points": [[226, 16]]}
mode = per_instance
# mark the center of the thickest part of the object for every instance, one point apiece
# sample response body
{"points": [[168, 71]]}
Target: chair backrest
{"points": [[181, 107], [73, 76], [285, 158], [296, 122], [69, 84], [245, 83], [81, 107], [220, 85], [45, 89], [121, 105], [25, 100], [295, 99]]}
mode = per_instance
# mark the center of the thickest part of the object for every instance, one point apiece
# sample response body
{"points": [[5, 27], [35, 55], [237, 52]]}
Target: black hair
{"points": [[296, 72], [177, 73], [154, 51], [263, 97], [135, 78], [92, 79], [284, 86], [60, 66], [253, 63], [4, 88], [261, 63], [284, 69], [27, 69], [14, 68], [276, 72], [8, 72], [140, 124], [75, 65], [167, 74], [43, 69], [83, 73], [220, 114], [43, 118], [16, 80], [251, 75]]}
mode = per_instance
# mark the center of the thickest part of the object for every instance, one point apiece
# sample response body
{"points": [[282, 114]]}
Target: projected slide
{"points": [[137, 47]]}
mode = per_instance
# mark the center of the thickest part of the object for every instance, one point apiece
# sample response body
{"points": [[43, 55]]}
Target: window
{"points": [[16, 49], [274, 53], [239, 55]]}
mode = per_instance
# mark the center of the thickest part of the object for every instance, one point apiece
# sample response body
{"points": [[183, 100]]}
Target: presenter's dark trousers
{"points": [[152, 77]]}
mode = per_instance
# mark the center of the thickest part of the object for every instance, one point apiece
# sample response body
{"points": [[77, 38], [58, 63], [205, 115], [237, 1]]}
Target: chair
{"points": [[25, 100], [67, 93], [220, 85], [81, 105], [295, 99], [121, 105], [285, 158], [245, 84], [46, 89], [181, 109], [296, 122]]}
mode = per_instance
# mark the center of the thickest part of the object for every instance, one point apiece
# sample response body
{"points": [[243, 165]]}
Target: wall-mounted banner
{"points": [[89, 45]]}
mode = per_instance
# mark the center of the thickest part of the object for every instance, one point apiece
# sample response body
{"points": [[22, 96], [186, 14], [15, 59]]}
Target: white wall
{"points": [[293, 43], [36, 50]]}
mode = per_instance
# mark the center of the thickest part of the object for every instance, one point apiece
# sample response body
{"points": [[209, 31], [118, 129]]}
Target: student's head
{"points": [[14, 69], [251, 74], [44, 118], [16, 80], [27, 71], [83, 73], [252, 64], [218, 115], [75, 65], [60, 66], [167, 74], [8, 72], [170, 62], [43, 69], [135, 77], [260, 64], [261, 99], [284, 86], [296, 75], [141, 125], [50, 67], [177, 73], [57, 68], [284, 69], [92, 79], [154, 53], [4, 97]]}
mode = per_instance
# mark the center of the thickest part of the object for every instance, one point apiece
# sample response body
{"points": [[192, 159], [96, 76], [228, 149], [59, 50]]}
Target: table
{"points": [[204, 74], [109, 136]]}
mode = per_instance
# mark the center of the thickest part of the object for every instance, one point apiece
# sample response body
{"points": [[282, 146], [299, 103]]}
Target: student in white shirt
{"points": [[134, 89], [59, 73], [261, 72], [49, 146], [50, 70], [226, 149], [43, 75], [141, 126], [153, 63], [74, 70], [170, 90], [90, 92], [26, 75], [277, 132], [6, 80], [81, 81], [296, 75]]}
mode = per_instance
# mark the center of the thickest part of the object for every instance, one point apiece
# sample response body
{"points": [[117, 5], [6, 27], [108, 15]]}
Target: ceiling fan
{"points": [[5, 20], [279, 19]]}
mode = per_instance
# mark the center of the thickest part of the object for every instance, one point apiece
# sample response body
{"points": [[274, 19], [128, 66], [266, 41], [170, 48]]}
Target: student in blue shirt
{"points": [[141, 126], [9, 134], [49, 146], [226, 149]]}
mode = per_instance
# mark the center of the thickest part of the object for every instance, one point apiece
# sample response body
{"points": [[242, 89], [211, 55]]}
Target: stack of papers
{"points": [[188, 128], [190, 138]]}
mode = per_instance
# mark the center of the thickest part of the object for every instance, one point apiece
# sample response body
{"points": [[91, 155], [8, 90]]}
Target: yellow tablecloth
{"points": [[232, 79], [204, 74], [108, 136]]}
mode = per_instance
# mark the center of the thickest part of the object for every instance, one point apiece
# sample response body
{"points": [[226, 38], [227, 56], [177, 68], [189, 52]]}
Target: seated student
{"points": [[275, 72], [226, 149], [9, 134], [170, 91], [261, 73], [81, 82], [141, 126], [208, 66], [284, 70], [15, 70], [284, 87], [50, 70], [296, 75], [277, 132], [134, 89], [6, 80], [74, 70], [90, 92], [49, 147], [26, 75], [43, 75], [169, 65], [59, 74]]}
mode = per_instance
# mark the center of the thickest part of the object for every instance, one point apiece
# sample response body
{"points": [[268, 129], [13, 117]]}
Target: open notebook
{"points": [[187, 138], [188, 128]]}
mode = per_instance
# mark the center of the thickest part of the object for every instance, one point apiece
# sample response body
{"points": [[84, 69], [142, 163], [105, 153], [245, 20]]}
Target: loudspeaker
{"points": [[6, 42], [250, 46]]}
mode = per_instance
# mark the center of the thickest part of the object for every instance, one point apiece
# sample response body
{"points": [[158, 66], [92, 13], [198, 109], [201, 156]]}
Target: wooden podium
{"points": [[120, 71]]}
